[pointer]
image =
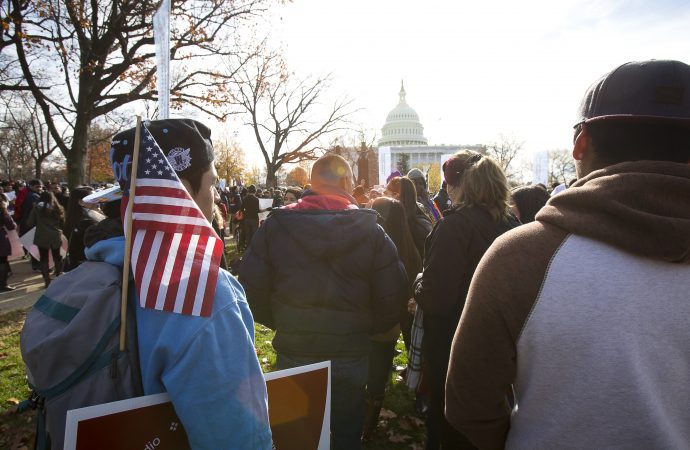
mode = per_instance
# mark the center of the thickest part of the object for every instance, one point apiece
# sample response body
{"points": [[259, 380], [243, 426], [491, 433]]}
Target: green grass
{"points": [[16, 430], [401, 429]]}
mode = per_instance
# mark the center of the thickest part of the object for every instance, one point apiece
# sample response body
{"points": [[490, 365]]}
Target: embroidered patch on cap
{"points": [[179, 158]]}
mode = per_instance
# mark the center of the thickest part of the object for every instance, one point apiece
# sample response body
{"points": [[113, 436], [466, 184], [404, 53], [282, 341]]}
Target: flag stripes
{"points": [[175, 252]]}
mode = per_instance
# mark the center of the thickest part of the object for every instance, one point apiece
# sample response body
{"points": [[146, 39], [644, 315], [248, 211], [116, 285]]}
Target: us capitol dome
{"points": [[402, 139], [402, 126]]}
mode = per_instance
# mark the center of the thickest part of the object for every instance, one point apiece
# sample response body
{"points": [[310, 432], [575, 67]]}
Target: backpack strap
{"points": [[56, 310]]}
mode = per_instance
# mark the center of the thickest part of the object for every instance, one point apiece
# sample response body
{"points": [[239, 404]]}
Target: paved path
{"points": [[29, 286]]}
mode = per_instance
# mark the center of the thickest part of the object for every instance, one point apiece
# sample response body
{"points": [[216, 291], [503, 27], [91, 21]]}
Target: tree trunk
{"points": [[271, 179], [76, 159], [39, 168]]}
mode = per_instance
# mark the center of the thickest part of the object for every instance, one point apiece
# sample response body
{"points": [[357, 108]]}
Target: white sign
{"points": [[27, 240], [264, 203]]}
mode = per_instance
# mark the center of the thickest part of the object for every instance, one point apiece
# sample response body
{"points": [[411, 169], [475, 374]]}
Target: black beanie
{"points": [[185, 142]]}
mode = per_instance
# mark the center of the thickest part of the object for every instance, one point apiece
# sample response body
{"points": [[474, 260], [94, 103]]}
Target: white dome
{"points": [[402, 126]]}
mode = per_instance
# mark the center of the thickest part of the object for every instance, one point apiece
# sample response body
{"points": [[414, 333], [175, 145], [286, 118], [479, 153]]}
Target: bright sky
{"points": [[474, 70]]}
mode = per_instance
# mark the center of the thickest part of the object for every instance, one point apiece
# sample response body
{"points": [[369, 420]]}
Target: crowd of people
{"points": [[532, 317]]}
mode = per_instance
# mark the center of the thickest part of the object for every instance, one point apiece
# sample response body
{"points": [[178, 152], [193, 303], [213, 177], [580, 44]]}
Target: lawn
{"points": [[399, 426]]}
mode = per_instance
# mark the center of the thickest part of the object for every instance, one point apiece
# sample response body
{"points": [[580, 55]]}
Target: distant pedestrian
{"points": [[5, 246], [49, 219]]}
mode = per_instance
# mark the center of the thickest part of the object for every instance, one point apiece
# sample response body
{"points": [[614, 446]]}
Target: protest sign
{"points": [[299, 404], [264, 203], [27, 240]]}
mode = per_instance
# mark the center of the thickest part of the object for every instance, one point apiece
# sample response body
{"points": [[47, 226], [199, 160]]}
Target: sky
{"points": [[472, 70]]}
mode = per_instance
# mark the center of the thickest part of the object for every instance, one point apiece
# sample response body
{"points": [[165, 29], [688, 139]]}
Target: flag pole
{"points": [[128, 233]]}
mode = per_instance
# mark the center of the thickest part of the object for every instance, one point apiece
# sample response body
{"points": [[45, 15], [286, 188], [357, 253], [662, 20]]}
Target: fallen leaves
{"points": [[396, 438], [387, 414]]}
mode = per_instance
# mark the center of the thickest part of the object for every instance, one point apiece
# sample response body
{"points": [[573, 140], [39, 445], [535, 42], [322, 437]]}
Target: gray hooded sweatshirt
{"points": [[586, 313]]}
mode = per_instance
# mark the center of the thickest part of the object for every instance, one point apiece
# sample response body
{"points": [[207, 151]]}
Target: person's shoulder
{"points": [[229, 304], [535, 240]]}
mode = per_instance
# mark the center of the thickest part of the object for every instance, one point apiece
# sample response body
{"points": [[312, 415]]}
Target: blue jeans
{"points": [[348, 381]]}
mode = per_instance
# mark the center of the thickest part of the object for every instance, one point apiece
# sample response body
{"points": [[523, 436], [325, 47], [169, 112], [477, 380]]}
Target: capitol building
{"points": [[403, 133]]}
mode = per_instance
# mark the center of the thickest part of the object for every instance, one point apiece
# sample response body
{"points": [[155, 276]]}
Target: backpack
{"points": [[70, 345]]}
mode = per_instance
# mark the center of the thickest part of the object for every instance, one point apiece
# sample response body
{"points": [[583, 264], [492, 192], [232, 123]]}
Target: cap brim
{"points": [[641, 119], [103, 196]]}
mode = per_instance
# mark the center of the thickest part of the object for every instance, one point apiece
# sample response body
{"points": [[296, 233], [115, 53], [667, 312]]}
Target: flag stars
{"points": [[160, 172], [148, 160], [149, 149], [160, 161], [147, 172], [154, 166]]}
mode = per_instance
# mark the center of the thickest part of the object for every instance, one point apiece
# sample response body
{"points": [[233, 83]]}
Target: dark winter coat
{"points": [[452, 252], [48, 227], [28, 204], [420, 227], [76, 237], [7, 224], [324, 279], [250, 207]]}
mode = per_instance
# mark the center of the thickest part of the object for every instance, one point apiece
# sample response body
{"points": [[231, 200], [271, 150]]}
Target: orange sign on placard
{"points": [[298, 404]]}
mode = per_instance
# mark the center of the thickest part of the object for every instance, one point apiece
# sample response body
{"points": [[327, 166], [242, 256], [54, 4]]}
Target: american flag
{"points": [[175, 252]]}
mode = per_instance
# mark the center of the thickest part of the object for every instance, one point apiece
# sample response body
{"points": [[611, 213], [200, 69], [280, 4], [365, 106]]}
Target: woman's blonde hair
{"points": [[481, 181]]}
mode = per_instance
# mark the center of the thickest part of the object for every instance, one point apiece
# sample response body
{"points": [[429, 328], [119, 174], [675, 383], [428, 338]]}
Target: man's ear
{"points": [[581, 147]]}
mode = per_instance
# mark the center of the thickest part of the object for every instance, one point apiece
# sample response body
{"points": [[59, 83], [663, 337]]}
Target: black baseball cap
{"points": [[643, 91]]}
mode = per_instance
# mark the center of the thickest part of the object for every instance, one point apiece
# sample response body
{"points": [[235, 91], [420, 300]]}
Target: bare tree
{"points": [[504, 151], [31, 133], [282, 111], [84, 60], [14, 157], [561, 166]]}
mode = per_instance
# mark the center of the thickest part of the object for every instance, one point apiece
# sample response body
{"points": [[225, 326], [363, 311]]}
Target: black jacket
{"points": [[324, 280], [420, 227], [452, 253]]}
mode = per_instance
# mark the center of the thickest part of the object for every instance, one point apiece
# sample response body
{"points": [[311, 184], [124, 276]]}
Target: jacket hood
{"points": [[110, 250], [642, 207], [325, 233]]}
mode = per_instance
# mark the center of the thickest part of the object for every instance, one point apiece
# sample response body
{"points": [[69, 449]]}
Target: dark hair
{"points": [[408, 197], [618, 141], [251, 189], [194, 174], [297, 192], [112, 210], [75, 212], [529, 200], [51, 207], [396, 226]]}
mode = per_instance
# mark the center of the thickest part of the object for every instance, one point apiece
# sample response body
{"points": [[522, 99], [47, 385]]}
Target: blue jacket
{"points": [[207, 365]]}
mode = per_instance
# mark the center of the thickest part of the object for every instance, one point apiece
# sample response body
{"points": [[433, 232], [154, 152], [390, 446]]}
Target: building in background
{"points": [[403, 145]]}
